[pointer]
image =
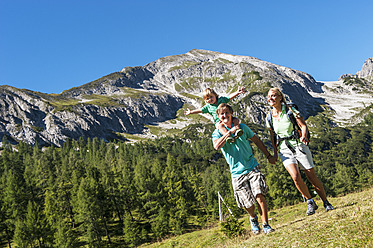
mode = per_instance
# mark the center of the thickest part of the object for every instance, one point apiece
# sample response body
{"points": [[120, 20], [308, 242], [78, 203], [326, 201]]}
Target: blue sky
{"points": [[51, 46]]}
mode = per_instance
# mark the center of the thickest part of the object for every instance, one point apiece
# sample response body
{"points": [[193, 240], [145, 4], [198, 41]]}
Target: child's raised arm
{"points": [[190, 112], [240, 90]]}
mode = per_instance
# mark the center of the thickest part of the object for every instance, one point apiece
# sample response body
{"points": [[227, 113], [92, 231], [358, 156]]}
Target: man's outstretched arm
{"points": [[263, 148]]}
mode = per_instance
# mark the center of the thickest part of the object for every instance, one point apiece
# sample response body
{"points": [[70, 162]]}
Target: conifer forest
{"points": [[93, 193]]}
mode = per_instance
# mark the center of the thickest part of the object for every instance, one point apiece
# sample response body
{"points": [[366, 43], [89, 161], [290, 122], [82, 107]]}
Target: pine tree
{"points": [[64, 237], [282, 190], [174, 186], [33, 230], [344, 179], [160, 223], [132, 231], [5, 224], [91, 209], [14, 199]]}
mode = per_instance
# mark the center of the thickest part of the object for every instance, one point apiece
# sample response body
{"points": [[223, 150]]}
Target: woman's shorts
{"points": [[302, 156], [247, 186]]}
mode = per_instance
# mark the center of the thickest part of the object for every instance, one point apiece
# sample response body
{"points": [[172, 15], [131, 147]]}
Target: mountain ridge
{"points": [[125, 102]]}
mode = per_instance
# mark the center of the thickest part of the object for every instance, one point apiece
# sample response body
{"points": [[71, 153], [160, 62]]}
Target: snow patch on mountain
{"points": [[343, 100]]}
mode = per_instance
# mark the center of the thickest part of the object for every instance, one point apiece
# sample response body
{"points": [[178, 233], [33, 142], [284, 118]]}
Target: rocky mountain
{"points": [[148, 100], [362, 80], [367, 70]]}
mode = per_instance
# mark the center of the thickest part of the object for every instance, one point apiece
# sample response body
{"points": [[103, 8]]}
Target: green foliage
{"points": [[232, 227], [185, 65], [37, 129], [226, 77], [101, 100], [97, 194], [349, 225], [368, 119], [194, 97], [358, 83], [249, 77], [32, 230], [282, 190], [194, 82], [190, 83], [222, 61], [64, 104], [251, 80], [131, 231], [64, 236]]}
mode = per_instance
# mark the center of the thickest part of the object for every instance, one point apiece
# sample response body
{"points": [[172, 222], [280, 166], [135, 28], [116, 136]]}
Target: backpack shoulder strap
{"points": [[269, 119], [270, 122], [291, 116]]}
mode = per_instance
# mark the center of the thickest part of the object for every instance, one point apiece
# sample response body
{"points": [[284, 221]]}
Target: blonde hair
{"points": [[208, 92], [279, 93]]}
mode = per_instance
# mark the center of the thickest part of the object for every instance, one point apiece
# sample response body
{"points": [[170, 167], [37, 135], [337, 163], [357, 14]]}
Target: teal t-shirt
{"points": [[211, 108], [239, 155], [283, 126]]}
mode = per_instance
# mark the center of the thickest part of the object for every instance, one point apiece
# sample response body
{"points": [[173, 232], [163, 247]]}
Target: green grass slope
{"points": [[349, 225]]}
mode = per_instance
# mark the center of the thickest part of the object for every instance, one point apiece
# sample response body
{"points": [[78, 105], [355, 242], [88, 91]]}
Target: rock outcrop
{"points": [[367, 70], [126, 101], [32, 118]]}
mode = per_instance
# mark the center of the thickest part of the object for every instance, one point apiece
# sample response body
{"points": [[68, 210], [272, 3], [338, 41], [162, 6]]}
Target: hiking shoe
{"points": [[328, 206], [238, 133], [255, 225], [311, 206], [230, 140], [267, 228]]}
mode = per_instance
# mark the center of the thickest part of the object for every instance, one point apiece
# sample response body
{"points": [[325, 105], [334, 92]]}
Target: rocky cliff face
{"points": [[362, 81], [33, 118], [367, 70], [191, 73], [126, 101]]}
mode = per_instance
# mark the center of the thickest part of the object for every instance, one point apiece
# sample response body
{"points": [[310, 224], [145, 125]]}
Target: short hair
{"points": [[224, 106], [208, 92]]}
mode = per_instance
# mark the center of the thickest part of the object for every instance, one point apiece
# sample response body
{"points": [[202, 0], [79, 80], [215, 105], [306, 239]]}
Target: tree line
{"points": [[93, 193]]}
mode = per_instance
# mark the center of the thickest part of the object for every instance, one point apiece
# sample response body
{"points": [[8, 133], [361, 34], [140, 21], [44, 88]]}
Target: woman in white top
{"points": [[293, 150]]}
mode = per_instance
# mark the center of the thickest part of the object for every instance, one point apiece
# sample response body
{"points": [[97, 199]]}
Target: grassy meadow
{"points": [[349, 225]]}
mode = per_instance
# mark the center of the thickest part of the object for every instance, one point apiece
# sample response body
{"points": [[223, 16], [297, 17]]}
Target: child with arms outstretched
{"points": [[212, 101]]}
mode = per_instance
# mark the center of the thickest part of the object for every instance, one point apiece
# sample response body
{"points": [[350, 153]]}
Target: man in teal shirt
{"points": [[247, 180]]}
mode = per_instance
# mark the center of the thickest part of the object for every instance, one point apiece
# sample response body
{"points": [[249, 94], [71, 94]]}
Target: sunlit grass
{"points": [[349, 225]]}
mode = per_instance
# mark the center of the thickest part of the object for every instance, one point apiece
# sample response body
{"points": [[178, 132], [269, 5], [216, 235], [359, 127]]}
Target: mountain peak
{"points": [[138, 99], [367, 69]]}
